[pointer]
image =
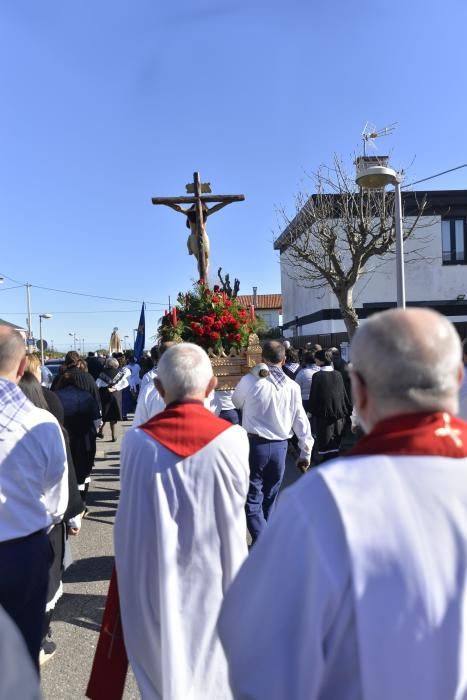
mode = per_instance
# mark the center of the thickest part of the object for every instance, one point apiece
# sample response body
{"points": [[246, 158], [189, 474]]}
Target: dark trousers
{"points": [[231, 415], [267, 466], [24, 577], [329, 436], [128, 402]]}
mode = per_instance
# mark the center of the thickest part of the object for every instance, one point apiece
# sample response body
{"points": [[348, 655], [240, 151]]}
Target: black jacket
{"points": [[328, 396]]}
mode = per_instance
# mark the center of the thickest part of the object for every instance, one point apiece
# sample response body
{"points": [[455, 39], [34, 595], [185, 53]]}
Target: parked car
{"points": [[54, 365]]}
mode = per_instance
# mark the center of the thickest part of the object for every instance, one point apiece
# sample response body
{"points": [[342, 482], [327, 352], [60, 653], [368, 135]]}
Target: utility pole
{"points": [[28, 301]]}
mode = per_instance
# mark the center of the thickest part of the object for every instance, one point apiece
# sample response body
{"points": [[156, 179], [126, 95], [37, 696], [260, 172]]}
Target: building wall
{"points": [[427, 279], [271, 317]]}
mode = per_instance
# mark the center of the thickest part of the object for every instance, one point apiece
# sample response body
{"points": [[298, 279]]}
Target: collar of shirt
{"points": [[12, 402], [276, 376], [327, 368]]}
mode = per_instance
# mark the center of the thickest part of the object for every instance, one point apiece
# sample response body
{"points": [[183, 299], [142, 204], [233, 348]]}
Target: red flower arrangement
{"points": [[208, 318]]}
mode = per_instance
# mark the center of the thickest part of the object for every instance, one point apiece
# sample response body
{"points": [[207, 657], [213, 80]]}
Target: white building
{"points": [[267, 306], [435, 274]]}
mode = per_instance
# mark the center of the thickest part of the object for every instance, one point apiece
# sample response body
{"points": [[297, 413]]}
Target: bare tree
{"points": [[338, 234]]}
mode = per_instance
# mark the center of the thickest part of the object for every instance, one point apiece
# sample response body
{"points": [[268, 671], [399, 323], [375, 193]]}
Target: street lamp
{"points": [[74, 336], [377, 177], [42, 316], [125, 339]]}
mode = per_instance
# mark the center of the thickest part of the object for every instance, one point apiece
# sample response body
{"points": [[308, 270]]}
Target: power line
{"points": [[17, 286], [82, 294], [104, 311], [431, 177]]}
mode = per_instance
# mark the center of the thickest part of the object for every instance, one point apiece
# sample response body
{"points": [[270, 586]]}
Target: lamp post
{"points": [[42, 316], [377, 177], [125, 341], [74, 336]]}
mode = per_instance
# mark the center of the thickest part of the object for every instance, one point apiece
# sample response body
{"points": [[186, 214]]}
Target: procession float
{"points": [[212, 318]]}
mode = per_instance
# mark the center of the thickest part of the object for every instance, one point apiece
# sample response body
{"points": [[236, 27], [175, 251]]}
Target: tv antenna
{"points": [[370, 133]]}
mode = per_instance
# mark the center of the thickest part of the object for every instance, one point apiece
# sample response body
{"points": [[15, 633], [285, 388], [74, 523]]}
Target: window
{"points": [[453, 241]]}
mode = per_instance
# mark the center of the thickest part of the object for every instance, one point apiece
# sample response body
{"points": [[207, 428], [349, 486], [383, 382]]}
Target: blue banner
{"points": [[140, 336]]}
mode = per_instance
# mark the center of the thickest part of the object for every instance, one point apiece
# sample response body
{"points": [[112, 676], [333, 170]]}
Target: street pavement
{"points": [[77, 617]]}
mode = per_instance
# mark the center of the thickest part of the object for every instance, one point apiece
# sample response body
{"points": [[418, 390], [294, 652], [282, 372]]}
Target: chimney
{"points": [[255, 296]]}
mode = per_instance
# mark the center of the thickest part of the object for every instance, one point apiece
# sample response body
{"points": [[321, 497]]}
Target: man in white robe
{"points": [[358, 587], [180, 534]]}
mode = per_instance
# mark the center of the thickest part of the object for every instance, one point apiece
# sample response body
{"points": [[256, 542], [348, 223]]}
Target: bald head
{"points": [[12, 354], [407, 360]]}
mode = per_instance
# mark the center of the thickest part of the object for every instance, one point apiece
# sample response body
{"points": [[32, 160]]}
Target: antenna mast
{"points": [[370, 133]]}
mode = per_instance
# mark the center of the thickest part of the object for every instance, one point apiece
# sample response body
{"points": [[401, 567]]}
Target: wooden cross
{"points": [[199, 211]]}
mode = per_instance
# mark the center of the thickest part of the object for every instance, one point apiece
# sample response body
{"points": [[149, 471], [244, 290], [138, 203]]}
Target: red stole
{"points": [[184, 428], [436, 434]]}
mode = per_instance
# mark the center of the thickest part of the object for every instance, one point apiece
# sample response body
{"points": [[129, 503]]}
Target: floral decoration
{"points": [[209, 318]]}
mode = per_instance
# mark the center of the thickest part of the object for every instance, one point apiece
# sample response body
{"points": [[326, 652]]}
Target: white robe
{"points": [[18, 677], [149, 404], [358, 587], [180, 537]]}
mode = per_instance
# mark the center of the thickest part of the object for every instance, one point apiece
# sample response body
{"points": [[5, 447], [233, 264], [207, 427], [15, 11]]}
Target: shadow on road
{"points": [[80, 609], [90, 569]]}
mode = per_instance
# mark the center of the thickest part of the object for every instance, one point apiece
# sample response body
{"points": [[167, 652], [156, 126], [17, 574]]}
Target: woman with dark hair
{"points": [[71, 524], [75, 365], [82, 419], [110, 383], [291, 365]]}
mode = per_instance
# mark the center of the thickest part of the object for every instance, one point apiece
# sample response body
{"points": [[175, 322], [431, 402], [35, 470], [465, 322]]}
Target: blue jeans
{"points": [[267, 466]]}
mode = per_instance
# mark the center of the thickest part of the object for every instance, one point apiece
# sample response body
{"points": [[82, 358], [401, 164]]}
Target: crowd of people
{"points": [[352, 584]]}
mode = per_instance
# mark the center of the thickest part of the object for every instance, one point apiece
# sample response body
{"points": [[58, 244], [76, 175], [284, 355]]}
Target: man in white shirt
{"points": [[150, 402], [33, 495], [180, 537], [151, 374], [358, 587], [272, 411]]}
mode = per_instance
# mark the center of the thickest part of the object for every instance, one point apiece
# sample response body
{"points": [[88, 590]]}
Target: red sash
{"points": [[437, 434], [184, 428]]}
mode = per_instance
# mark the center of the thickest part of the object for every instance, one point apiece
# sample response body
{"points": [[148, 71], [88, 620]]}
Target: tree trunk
{"points": [[347, 309]]}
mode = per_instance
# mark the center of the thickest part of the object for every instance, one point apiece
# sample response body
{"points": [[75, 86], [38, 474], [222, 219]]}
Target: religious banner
{"points": [[140, 335]]}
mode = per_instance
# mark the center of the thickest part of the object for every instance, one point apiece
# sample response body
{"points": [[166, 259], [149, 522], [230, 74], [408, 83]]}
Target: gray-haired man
{"points": [[358, 587]]}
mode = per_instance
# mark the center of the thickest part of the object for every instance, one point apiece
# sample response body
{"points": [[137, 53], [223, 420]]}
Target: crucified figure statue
{"points": [[196, 216], [191, 223]]}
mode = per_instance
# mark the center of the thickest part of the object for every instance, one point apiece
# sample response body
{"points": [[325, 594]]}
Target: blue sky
{"points": [[105, 104]]}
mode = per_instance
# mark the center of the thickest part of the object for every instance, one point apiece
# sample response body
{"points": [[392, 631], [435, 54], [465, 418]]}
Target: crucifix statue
{"points": [[196, 215]]}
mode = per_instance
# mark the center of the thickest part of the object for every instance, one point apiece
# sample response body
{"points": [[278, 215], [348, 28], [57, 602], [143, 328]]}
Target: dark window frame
{"points": [[452, 259]]}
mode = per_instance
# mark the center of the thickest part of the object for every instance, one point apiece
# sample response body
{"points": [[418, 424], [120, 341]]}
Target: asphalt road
{"points": [[77, 617]]}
